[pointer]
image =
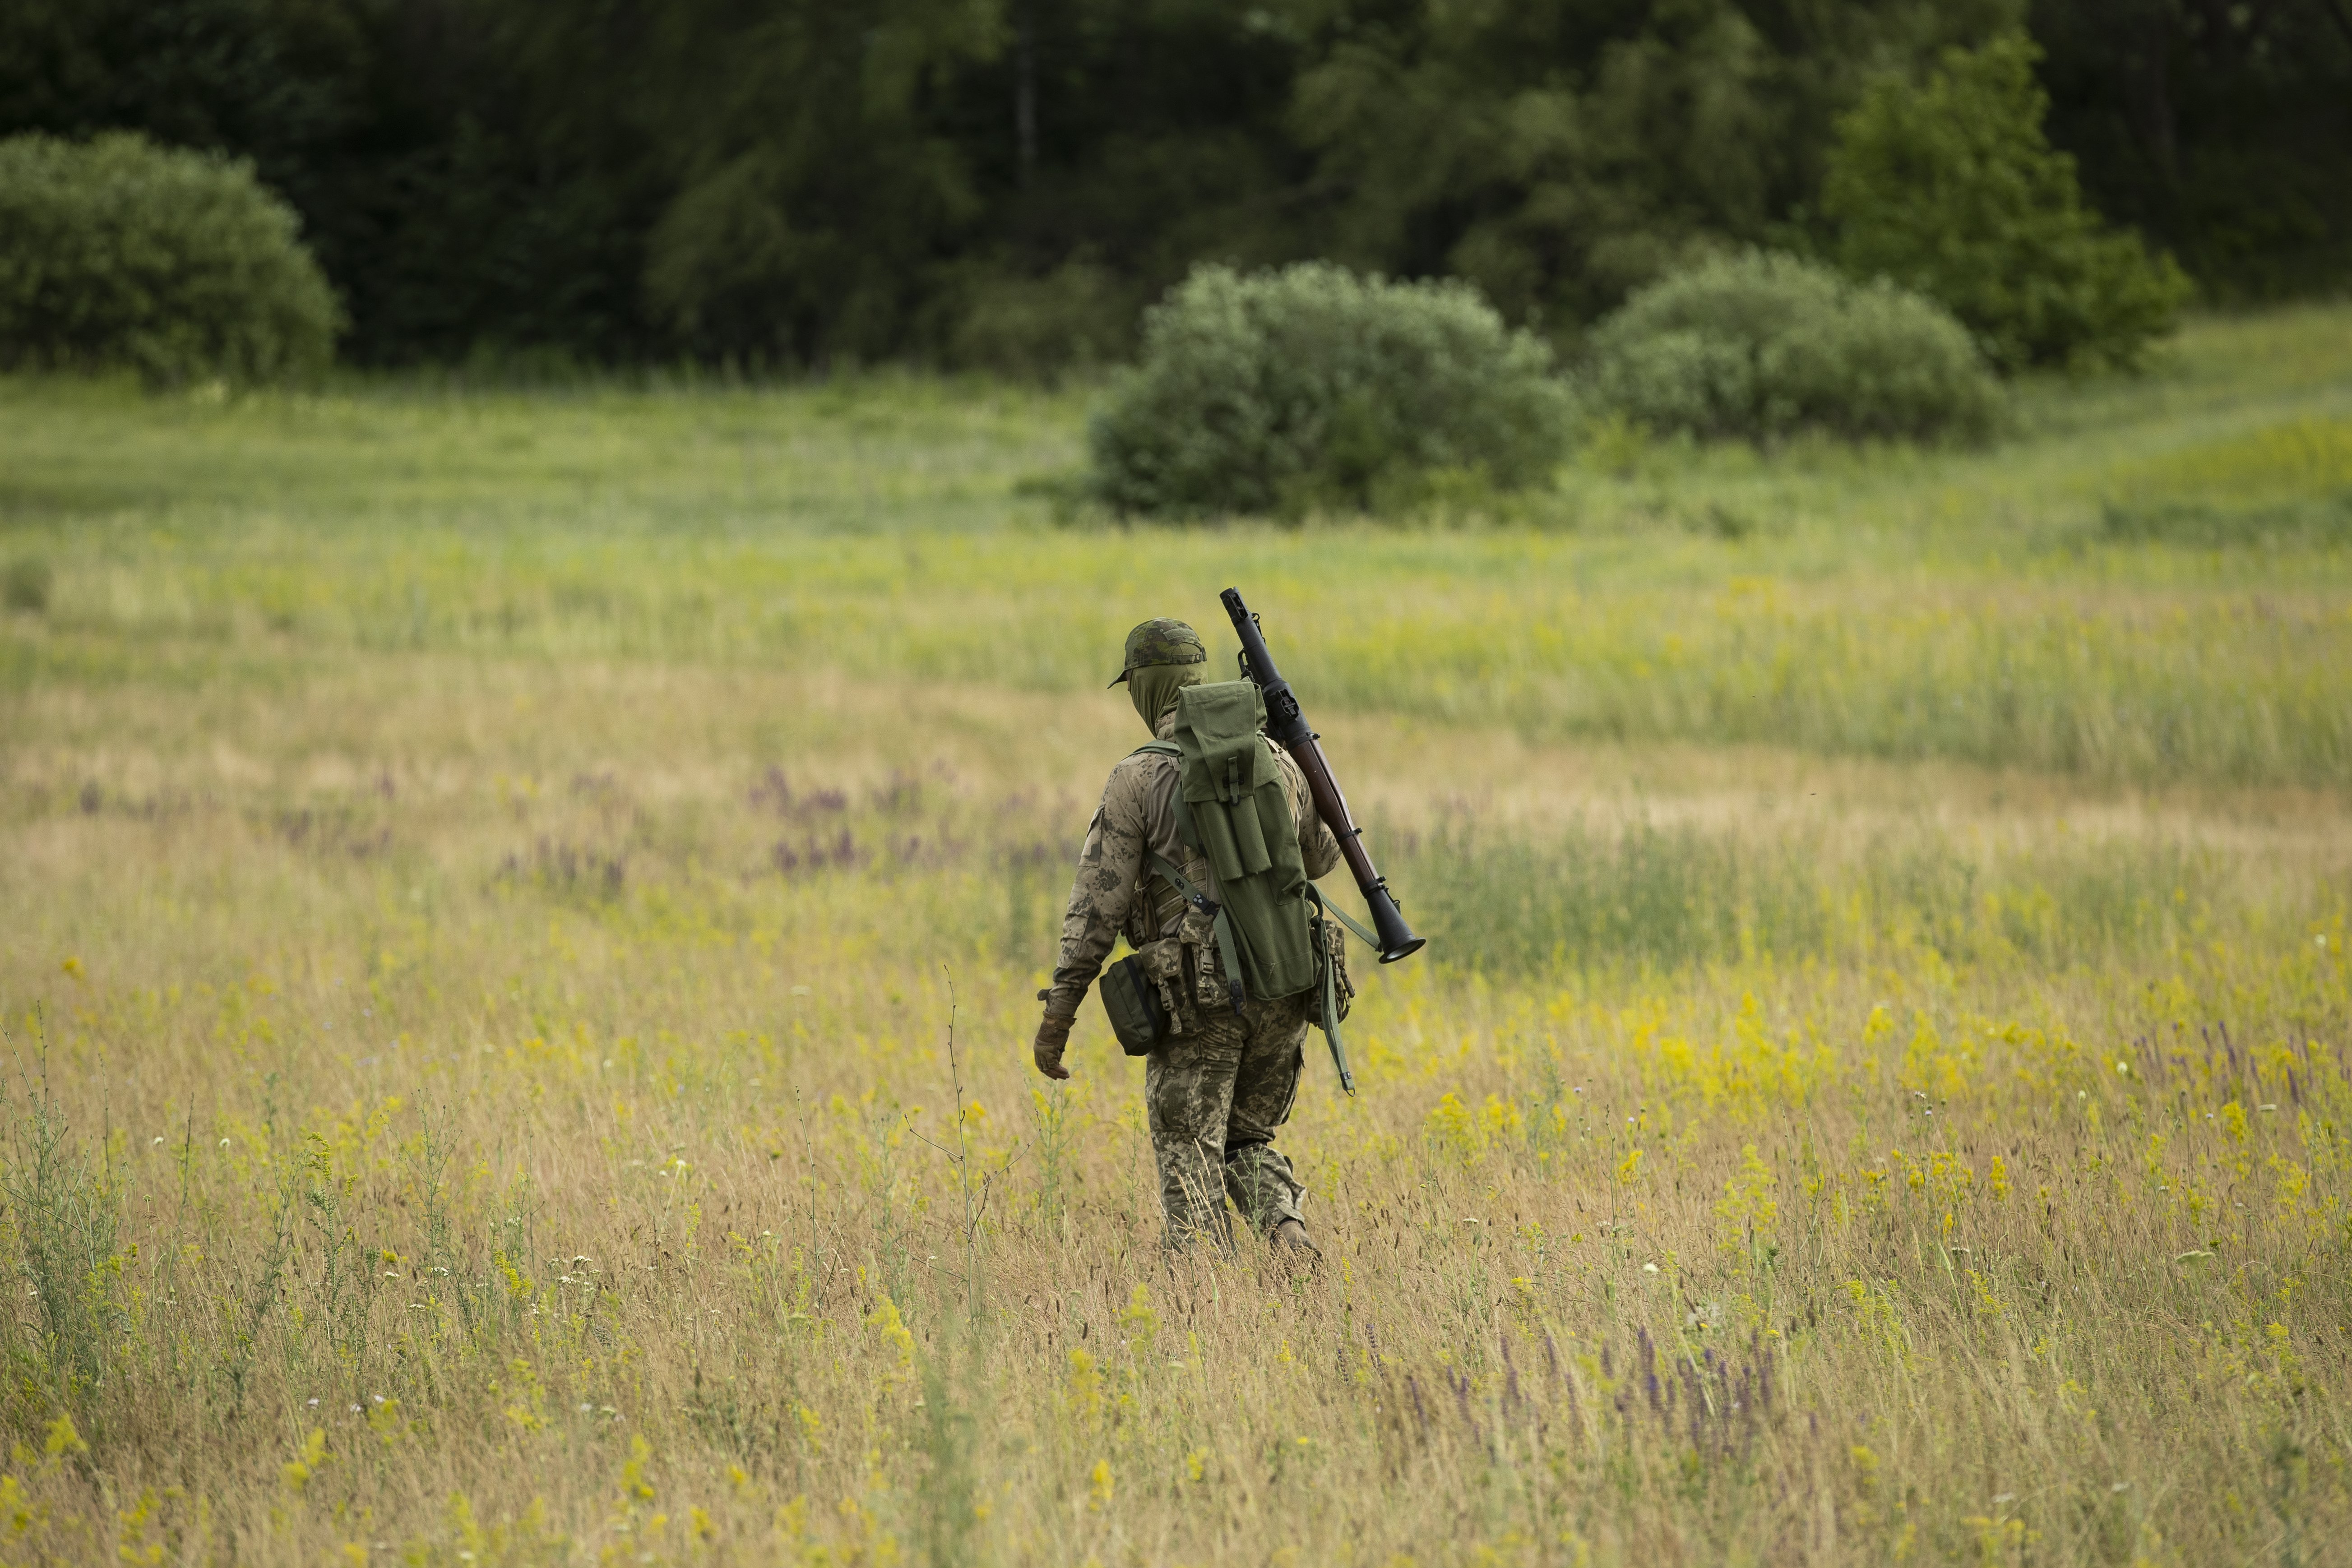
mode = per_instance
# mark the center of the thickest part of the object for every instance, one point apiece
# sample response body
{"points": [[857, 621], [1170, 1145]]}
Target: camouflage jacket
{"points": [[1137, 816]]}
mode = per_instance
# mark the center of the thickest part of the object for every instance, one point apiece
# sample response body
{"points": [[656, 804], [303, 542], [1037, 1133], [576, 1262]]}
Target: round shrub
{"points": [[1310, 387], [1762, 345], [117, 253]]}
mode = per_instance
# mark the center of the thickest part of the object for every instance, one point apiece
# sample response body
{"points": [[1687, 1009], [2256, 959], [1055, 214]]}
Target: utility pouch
{"points": [[1341, 989], [1130, 997], [1164, 961]]}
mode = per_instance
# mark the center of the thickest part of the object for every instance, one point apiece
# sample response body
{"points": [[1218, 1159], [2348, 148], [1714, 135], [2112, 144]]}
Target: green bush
{"points": [[1761, 346], [1312, 388], [118, 253], [1953, 190]]}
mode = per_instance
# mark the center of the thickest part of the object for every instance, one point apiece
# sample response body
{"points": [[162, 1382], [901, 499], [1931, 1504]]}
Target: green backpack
{"points": [[1234, 812], [1270, 926]]}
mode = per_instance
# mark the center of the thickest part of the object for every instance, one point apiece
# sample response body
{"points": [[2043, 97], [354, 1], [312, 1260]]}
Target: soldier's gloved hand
{"points": [[1053, 1035]]}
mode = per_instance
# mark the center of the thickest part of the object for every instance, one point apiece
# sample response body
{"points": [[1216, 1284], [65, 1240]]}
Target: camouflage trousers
{"points": [[1216, 1096]]}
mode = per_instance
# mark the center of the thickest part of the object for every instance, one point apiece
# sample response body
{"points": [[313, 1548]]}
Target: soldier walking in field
{"points": [[1221, 1061]]}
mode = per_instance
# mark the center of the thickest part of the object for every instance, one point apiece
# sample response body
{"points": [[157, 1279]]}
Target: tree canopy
{"points": [[1952, 189], [792, 182]]}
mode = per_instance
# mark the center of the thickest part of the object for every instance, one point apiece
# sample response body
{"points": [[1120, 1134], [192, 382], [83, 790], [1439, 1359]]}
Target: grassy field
{"points": [[521, 909]]}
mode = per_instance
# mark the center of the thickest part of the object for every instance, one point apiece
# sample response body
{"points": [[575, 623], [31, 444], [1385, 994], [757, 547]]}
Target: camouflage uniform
{"points": [[1220, 1087]]}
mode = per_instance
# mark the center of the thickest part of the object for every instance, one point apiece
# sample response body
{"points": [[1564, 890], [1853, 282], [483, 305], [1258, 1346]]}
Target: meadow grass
{"points": [[1989, 607], [523, 912]]}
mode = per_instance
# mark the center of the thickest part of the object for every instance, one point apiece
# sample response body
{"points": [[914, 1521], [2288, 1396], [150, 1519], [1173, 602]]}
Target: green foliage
{"points": [[1642, 896], [1560, 155], [813, 190], [177, 265], [2217, 131], [1080, 315], [2280, 484], [26, 584], [1806, 600], [800, 181], [1952, 189], [1761, 346], [2203, 525], [63, 1216], [1312, 386]]}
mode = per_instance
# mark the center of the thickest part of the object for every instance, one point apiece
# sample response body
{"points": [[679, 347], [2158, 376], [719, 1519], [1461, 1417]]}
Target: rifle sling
{"points": [[1341, 915]]}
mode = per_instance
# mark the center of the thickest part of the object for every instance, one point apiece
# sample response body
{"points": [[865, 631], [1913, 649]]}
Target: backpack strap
{"points": [[1185, 831]]}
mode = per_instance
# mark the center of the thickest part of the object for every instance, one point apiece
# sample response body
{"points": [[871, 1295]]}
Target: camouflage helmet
{"points": [[1161, 642]]}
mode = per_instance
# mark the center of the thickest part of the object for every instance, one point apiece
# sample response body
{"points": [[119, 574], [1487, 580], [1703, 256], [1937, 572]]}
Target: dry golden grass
{"points": [[513, 1164]]}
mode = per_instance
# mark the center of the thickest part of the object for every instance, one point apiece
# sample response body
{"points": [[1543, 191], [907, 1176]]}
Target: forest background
{"points": [[1004, 184]]}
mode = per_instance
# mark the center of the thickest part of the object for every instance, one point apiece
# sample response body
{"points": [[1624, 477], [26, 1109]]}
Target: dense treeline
{"points": [[1008, 181]]}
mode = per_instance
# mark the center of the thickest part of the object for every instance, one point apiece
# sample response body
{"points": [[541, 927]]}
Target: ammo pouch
{"points": [[1132, 1000], [1146, 996]]}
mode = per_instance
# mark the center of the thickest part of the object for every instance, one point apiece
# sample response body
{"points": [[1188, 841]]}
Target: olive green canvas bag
{"points": [[1232, 810], [1236, 814]]}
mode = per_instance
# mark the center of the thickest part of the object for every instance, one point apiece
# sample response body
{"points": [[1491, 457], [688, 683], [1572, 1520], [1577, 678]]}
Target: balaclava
{"points": [[1163, 657], [1153, 690]]}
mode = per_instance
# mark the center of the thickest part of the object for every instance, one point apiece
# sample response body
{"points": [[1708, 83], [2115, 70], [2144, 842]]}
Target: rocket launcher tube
{"points": [[1288, 727]]}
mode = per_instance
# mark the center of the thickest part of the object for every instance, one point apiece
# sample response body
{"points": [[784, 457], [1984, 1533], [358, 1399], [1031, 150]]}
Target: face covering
{"points": [[1153, 689]]}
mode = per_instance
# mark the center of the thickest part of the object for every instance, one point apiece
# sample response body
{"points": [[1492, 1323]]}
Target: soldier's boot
{"points": [[1290, 1240]]}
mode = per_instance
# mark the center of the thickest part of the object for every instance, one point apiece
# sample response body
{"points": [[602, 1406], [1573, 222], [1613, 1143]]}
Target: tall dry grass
{"points": [[503, 1113]]}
